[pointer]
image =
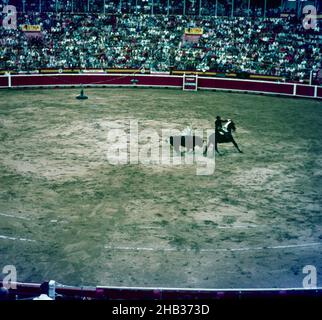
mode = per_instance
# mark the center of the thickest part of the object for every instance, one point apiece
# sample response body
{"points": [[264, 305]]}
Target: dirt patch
{"points": [[159, 224]]}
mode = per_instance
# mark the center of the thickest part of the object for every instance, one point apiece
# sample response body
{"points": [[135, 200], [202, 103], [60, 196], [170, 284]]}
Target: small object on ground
{"points": [[82, 96]]}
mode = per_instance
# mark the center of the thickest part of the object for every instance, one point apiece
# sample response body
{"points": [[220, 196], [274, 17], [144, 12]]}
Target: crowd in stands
{"points": [[173, 7], [266, 46]]}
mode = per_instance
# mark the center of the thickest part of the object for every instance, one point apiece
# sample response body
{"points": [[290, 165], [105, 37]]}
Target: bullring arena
{"points": [[92, 194], [68, 214]]}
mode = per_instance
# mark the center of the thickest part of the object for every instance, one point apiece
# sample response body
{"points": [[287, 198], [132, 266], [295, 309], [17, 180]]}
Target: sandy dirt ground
{"points": [[67, 213]]}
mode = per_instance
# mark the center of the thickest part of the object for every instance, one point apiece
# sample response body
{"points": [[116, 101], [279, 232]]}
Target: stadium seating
{"points": [[271, 46]]}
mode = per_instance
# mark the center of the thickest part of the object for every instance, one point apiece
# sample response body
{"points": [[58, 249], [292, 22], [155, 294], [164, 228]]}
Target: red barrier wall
{"points": [[302, 90], [91, 79], [3, 81], [156, 80], [319, 92], [25, 290], [244, 85]]}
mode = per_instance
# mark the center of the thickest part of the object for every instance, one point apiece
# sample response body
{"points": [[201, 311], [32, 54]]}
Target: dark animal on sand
{"points": [[189, 142], [226, 137]]}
